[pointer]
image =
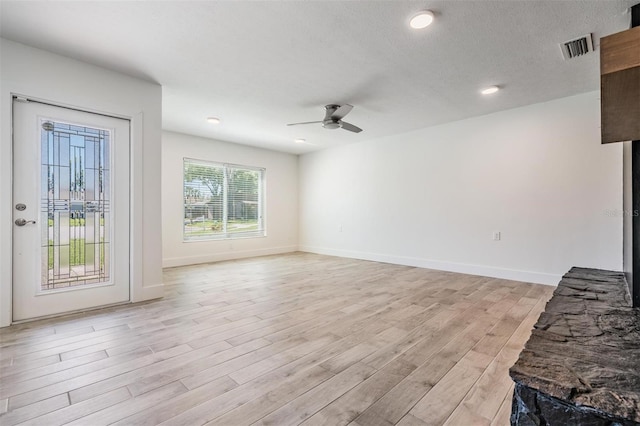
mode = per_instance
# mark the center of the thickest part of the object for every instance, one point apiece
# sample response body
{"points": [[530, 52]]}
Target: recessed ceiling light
{"points": [[489, 90], [421, 20], [213, 120], [300, 140]]}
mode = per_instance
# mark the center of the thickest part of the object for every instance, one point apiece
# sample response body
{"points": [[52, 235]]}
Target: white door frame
{"points": [[135, 211], [117, 289]]}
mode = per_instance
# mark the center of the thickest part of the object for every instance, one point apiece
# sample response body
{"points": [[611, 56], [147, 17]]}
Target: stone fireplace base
{"points": [[581, 365]]}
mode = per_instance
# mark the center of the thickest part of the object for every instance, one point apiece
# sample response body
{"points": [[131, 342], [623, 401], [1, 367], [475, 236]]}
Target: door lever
{"points": [[23, 222]]}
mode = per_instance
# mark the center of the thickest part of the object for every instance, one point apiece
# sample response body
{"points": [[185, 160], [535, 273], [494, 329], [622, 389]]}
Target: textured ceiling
{"points": [[260, 65]]}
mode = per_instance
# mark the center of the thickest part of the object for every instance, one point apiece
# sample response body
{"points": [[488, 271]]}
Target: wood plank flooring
{"points": [[279, 340]]}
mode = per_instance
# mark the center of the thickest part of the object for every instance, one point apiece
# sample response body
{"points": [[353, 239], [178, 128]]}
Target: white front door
{"points": [[70, 210]]}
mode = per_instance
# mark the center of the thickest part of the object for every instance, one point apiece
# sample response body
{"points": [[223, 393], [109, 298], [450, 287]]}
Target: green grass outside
{"points": [[75, 222], [213, 227], [76, 253]]}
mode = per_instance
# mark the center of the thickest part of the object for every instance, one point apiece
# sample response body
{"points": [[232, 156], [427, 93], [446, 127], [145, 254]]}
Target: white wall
{"points": [[281, 200], [433, 197], [63, 81]]}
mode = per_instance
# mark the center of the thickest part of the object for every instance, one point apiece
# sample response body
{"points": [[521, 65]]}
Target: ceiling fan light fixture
{"points": [[331, 125], [489, 90], [333, 116], [421, 19], [213, 120]]}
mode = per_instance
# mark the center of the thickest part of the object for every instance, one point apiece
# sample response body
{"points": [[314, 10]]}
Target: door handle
{"points": [[23, 222]]}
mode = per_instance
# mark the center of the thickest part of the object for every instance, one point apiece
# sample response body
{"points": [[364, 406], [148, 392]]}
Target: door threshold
{"points": [[70, 313]]}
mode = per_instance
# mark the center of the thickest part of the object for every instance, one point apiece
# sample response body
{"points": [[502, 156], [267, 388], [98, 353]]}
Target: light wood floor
{"points": [[279, 340]]}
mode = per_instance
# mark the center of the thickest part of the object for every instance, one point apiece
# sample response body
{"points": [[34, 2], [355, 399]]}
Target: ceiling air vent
{"points": [[577, 47]]}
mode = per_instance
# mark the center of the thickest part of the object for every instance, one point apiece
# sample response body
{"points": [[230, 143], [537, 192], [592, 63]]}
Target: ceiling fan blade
{"points": [[306, 122], [341, 112], [350, 127]]}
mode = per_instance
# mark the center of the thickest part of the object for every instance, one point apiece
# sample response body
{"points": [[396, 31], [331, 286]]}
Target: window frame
{"points": [[261, 232]]}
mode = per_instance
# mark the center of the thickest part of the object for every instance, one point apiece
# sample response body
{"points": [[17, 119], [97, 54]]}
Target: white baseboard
{"points": [[231, 255], [485, 271]]}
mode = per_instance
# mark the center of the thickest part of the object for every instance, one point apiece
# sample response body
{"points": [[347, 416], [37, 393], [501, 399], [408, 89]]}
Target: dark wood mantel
{"points": [[620, 86]]}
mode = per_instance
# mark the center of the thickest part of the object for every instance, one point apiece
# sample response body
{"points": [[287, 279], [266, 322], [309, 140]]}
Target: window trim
{"points": [[261, 232]]}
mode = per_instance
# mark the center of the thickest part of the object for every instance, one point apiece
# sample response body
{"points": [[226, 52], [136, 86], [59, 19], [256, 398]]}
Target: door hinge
{"points": [[20, 99]]}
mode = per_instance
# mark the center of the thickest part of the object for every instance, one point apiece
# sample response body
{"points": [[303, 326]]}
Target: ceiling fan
{"points": [[333, 118]]}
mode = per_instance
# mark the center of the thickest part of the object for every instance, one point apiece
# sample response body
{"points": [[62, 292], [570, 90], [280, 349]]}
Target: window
{"points": [[222, 201]]}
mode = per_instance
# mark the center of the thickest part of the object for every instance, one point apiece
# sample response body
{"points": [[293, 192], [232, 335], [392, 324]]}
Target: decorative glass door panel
{"points": [[75, 205], [71, 210]]}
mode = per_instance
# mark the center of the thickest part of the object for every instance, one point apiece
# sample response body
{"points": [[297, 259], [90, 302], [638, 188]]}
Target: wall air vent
{"points": [[578, 47]]}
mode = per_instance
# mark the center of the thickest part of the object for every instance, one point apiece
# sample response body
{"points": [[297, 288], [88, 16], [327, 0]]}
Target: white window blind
{"points": [[222, 201]]}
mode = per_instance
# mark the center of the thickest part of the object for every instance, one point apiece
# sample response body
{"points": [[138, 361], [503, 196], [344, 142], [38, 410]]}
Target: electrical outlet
{"points": [[340, 228], [496, 235]]}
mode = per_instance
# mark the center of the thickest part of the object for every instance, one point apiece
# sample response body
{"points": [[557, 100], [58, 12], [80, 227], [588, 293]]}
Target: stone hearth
{"points": [[581, 365]]}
